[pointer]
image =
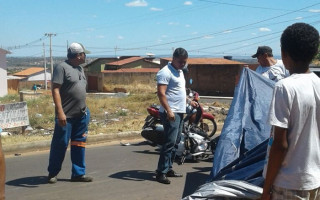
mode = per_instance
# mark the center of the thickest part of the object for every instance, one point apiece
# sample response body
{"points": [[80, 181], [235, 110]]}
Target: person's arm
{"points": [[2, 173], [62, 119], [161, 91], [277, 154]]}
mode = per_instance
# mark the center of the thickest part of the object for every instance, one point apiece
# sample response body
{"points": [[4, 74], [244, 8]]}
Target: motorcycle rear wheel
{"points": [[209, 126]]}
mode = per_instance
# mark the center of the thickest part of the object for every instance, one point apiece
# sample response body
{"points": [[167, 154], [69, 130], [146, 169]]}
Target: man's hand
{"points": [[62, 119], [194, 104], [170, 116]]}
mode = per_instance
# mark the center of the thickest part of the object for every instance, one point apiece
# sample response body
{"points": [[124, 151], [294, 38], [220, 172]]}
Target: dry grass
{"points": [[108, 115], [111, 115], [123, 114]]}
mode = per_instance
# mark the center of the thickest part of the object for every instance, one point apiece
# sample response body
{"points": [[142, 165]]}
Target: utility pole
{"points": [[115, 51], [45, 67], [51, 60]]}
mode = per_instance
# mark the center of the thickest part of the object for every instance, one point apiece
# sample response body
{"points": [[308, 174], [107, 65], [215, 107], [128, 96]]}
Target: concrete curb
{"points": [[45, 145], [92, 139]]}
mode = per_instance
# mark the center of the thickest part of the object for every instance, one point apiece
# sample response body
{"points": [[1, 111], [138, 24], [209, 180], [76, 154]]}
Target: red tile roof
{"points": [[3, 51], [124, 61], [29, 71], [209, 61], [132, 70]]}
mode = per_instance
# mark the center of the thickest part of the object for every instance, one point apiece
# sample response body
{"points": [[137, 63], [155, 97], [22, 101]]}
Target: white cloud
{"points": [[187, 25], [100, 36], [253, 34], [173, 23], [314, 10], [137, 3], [227, 31], [164, 36], [264, 29], [188, 3], [156, 9], [298, 18], [207, 37], [120, 37], [194, 33], [90, 29], [94, 16]]}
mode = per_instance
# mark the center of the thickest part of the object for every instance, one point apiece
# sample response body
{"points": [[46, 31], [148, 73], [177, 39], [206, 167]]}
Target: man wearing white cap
{"points": [[72, 115]]}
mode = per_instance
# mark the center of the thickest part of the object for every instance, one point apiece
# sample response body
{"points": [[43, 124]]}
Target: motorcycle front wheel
{"points": [[209, 126]]}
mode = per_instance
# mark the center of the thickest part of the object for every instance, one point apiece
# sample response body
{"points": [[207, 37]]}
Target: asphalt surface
{"points": [[121, 171], [92, 139], [45, 145]]}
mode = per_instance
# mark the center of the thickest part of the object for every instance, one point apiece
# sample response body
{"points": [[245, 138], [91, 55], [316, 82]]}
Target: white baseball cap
{"points": [[77, 48]]}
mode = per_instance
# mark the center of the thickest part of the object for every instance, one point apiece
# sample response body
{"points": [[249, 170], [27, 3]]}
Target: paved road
{"points": [[120, 172]]}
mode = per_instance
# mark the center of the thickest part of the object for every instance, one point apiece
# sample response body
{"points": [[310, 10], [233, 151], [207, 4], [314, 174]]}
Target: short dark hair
{"points": [[300, 41], [180, 52]]}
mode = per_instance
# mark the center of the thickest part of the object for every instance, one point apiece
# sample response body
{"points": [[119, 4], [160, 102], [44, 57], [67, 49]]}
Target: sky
{"points": [[109, 28]]}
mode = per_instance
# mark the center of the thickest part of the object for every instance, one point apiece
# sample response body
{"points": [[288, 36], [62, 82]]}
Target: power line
{"points": [[244, 40], [219, 32], [26, 45], [246, 6]]}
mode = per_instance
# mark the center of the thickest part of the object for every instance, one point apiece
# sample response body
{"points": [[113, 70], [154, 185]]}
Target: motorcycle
{"points": [[196, 117], [195, 141]]}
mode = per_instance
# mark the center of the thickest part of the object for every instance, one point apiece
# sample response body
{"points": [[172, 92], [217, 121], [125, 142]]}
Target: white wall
{"points": [[39, 77], [3, 75]]}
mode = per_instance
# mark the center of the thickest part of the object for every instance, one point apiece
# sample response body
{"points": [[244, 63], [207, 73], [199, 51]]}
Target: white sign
{"points": [[14, 115]]}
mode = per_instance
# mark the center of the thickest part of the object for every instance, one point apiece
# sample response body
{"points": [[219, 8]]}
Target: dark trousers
{"points": [[172, 136]]}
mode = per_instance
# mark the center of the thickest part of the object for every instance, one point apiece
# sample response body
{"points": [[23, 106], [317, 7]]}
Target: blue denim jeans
{"points": [[172, 136], [76, 130]]}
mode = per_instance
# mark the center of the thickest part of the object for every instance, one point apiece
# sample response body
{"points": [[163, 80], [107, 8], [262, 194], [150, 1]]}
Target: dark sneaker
{"points": [[162, 178], [52, 179], [81, 178], [172, 173]]}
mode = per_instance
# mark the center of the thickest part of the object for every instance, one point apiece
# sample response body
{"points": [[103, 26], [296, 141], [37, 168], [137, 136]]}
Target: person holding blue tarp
{"points": [[293, 169], [270, 67]]}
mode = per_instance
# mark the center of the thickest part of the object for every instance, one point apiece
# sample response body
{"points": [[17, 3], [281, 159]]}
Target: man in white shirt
{"points": [[172, 96], [269, 67], [293, 169]]}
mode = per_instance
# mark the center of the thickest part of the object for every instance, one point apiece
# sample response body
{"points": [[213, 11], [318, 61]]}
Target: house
{"points": [[31, 76], [3, 72], [104, 72], [131, 62], [211, 76]]}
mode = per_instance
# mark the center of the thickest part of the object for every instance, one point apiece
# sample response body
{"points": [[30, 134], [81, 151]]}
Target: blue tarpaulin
{"points": [[240, 154], [246, 124]]}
